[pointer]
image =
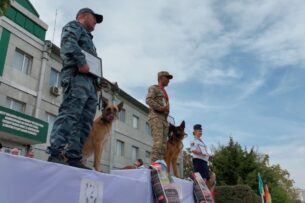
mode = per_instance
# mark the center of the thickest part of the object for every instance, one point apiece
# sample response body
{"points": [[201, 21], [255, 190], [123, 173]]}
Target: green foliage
{"points": [[234, 165], [187, 163], [4, 4], [236, 194]]}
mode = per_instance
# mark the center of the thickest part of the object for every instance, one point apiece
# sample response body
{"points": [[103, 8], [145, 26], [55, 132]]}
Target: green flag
{"points": [[260, 185]]}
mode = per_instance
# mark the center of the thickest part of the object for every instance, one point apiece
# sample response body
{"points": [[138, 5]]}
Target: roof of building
{"points": [[55, 49], [131, 99], [28, 6]]}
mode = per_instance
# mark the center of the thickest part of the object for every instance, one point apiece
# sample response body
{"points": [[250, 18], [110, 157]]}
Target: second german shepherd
{"points": [[174, 146]]}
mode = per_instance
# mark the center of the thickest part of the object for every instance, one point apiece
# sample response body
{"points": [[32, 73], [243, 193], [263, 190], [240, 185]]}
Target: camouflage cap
{"points": [[165, 73], [98, 17]]}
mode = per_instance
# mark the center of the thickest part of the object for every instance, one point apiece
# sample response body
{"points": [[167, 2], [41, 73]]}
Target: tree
{"points": [[187, 163], [225, 162], [234, 165], [4, 4]]}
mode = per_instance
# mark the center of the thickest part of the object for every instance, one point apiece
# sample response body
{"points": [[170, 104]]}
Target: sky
{"points": [[238, 66]]}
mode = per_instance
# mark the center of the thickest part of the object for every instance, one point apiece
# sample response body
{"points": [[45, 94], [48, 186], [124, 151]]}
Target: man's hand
{"points": [[103, 85], [84, 68], [198, 152]]}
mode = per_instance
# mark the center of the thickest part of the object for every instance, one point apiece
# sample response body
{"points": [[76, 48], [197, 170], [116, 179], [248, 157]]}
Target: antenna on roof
{"points": [[54, 27]]}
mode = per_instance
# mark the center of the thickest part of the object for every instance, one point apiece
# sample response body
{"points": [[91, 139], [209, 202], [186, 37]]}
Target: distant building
{"points": [[22, 62], [30, 94]]}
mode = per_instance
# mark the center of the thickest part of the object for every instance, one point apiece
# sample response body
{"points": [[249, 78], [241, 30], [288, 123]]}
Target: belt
{"points": [[76, 72]]}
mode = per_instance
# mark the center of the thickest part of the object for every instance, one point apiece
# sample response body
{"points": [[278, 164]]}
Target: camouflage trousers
{"points": [[159, 131], [75, 118]]}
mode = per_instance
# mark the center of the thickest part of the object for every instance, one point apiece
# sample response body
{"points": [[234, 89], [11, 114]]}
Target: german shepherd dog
{"points": [[174, 146], [100, 132]]}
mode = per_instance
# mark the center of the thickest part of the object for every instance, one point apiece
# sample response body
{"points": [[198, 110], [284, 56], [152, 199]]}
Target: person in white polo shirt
{"points": [[200, 153]]}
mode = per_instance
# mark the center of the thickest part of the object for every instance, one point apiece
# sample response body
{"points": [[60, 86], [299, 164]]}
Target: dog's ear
{"points": [[105, 103], [182, 125], [120, 106], [171, 127]]}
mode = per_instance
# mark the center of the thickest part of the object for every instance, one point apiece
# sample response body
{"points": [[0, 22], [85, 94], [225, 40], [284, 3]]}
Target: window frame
{"points": [[136, 150], [57, 82], [147, 155], [24, 56], [122, 148], [123, 111], [135, 118], [48, 115], [11, 102], [147, 129]]}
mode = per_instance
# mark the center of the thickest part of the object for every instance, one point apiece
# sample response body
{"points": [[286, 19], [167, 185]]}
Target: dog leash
{"points": [[104, 86], [107, 87], [99, 83], [99, 100]]}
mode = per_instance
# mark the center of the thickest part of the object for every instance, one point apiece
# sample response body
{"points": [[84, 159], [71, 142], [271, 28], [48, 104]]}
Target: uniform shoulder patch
{"points": [[72, 27]]}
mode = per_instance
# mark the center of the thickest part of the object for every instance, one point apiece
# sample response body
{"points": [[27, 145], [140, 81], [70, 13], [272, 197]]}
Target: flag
{"points": [[260, 185], [267, 195]]}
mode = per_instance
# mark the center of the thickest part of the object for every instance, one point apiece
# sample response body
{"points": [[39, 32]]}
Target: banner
{"points": [[26, 180]]}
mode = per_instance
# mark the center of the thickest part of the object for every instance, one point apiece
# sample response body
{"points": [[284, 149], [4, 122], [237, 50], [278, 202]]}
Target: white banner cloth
{"points": [[144, 175], [25, 180], [187, 190], [138, 174]]}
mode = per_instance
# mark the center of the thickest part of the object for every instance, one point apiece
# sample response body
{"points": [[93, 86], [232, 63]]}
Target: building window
{"points": [[147, 156], [15, 105], [22, 61], [50, 119], [122, 115], [135, 121], [119, 148], [54, 78], [147, 128], [134, 153]]}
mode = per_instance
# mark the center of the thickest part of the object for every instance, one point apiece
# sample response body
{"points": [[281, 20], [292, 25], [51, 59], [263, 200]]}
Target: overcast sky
{"points": [[238, 66]]}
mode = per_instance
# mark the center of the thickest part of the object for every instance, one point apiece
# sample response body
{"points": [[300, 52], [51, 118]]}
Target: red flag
{"points": [[267, 196]]}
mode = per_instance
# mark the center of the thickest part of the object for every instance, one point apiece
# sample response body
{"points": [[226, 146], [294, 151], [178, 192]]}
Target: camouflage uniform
{"points": [[157, 119], [78, 108]]}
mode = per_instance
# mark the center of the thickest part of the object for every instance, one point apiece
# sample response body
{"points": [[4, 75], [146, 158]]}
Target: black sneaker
{"points": [[57, 159], [77, 164]]}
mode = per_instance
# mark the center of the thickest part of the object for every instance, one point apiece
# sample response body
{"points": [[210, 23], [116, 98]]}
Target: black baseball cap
{"points": [[98, 17], [197, 127]]}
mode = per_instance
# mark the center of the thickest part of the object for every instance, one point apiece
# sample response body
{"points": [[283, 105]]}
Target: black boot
{"points": [[77, 163], [57, 159]]}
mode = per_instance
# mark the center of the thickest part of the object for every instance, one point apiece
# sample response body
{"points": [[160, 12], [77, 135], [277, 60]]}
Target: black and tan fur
{"points": [[174, 146]]}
